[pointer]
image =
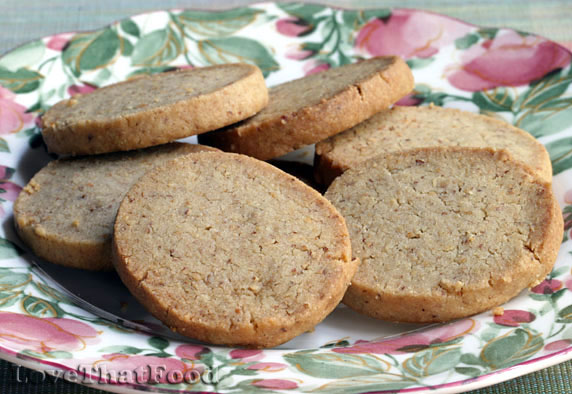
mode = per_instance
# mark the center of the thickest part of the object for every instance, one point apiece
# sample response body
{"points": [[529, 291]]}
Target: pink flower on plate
{"points": [[13, 116], [292, 27], [268, 367], [59, 41], [409, 33], [314, 67], [508, 60], [568, 197], [191, 352], [246, 355], [9, 191], [20, 332], [414, 341], [5, 172], [513, 318], [558, 345], [409, 100], [81, 89], [547, 286], [125, 368], [275, 384], [298, 53]]}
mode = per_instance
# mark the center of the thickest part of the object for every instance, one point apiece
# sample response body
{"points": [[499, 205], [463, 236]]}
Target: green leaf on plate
{"points": [[302, 11], [157, 48], [59, 354], [466, 41], [497, 100], [364, 384], [565, 315], [380, 13], [491, 332], [89, 51], [102, 77], [560, 270], [354, 19], [24, 56], [488, 32], [238, 49], [158, 343], [469, 371], [539, 297], [511, 348], [419, 62], [560, 152], [543, 97], [8, 249], [337, 365], [217, 24], [9, 298], [126, 47], [3, 148], [50, 292], [130, 27], [546, 122], [312, 46], [31, 353], [470, 359], [20, 81], [150, 70], [40, 307], [159, 354], [432, 361], [558, 294], [120, 349]]}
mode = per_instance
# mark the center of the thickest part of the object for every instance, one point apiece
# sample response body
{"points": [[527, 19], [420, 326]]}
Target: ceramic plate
{"points": [[86, 328]]}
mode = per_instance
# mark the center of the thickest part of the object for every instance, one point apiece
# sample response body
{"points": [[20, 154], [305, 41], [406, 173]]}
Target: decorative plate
{"points": [[86, 328]]}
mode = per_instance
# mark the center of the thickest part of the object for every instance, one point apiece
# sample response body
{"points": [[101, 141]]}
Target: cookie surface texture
{"points": [[309, 109], [230, 250], [155, 109], [403, 128], [444, 233], [66, 212]]}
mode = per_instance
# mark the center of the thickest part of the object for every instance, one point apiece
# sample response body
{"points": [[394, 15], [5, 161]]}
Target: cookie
{"points": [[155, 109], [445, 232], [230, 250], [402, 128], [66, 212], [309, 109]]}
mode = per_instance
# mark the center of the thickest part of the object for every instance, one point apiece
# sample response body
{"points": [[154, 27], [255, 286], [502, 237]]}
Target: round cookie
{"points": [[402, 128], [230, 250], [66, 212], [309, 109], [154, 109], [445, 232]]}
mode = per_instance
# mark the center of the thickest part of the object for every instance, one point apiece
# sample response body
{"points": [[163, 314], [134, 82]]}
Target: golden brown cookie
{"points": [[155, 109], [67, 210], [230, 250], [402, 128], [309, 109], [445, 232]]}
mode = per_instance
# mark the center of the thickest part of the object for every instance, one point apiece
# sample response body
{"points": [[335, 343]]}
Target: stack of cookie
{"points": [[450, 213]]}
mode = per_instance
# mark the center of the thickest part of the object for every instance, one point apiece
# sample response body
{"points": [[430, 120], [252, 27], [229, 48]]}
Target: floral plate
{"points": [[106, 340]]}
